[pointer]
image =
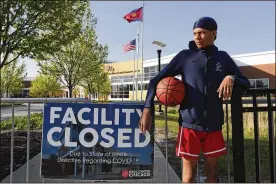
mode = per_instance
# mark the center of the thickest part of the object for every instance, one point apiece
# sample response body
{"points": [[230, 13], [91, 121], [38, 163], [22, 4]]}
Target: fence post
{"points": [[237, 135], [271, 139]]}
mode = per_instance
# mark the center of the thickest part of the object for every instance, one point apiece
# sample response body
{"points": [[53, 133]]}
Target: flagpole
{"points": [[142, 50], [131, 16], [137, 60], [133, 74]]}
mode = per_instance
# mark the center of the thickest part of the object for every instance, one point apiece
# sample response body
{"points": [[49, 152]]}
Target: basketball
{"points": [[170, 91]]}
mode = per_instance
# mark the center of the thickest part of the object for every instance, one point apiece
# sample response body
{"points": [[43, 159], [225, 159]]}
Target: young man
{"points": [[209, 76]]}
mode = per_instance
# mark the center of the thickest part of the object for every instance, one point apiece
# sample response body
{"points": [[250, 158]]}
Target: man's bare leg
{"points": [[211, 165], [188, 170]]}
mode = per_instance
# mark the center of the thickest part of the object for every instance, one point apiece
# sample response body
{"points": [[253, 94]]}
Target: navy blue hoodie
{"points": [[202, 72]]}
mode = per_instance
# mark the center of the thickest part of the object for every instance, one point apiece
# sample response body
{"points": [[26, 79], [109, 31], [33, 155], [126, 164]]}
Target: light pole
{"points": [[160, 44], [166, 108], [159, 69]]}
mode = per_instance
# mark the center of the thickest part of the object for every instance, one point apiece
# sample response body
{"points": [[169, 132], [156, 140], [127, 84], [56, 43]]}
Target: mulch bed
{"points": [[19, 150]]}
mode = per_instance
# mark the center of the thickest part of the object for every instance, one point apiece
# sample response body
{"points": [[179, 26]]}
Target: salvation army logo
{"points": [[136, 173], [125, 174]]}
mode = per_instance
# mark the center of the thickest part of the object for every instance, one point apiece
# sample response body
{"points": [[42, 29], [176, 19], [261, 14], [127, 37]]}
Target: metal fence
{"points": [[13, 101], [238, 107], [237, 111]]}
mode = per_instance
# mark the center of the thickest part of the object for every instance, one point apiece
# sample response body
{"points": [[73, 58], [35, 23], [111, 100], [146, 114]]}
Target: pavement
{"points": [[19, 176], [21, 110]]}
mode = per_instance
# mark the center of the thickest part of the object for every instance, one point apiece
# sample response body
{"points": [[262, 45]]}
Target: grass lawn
{"points": [[249, 148]]}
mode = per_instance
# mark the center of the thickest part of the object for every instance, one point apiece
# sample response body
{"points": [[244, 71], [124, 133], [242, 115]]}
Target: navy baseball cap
{"points": [[207, 23]]}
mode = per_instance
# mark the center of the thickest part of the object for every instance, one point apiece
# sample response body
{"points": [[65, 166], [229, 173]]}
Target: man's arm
{"points": [[171, 70], [233, 78], [234, 71]]}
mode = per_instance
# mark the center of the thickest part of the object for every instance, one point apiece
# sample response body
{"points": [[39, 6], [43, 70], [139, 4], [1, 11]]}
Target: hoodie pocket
{"points": [[192, 112]]}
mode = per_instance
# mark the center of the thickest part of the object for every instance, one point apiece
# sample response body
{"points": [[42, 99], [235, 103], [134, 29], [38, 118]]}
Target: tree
{"points": [[89, 83], [76, 92], [96, 81], [37, 28], [45, 86], [12, 78], [17, 86], [103, 84], [70, 64], [105, 88]]}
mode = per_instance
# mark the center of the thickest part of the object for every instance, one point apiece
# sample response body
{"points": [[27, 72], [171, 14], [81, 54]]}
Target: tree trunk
{"points": [[89, 96], [70, 88]]}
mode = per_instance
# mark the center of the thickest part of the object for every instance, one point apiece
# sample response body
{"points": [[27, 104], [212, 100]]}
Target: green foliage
{"points": [[96, 79], [76, 92], [44, 86], [172, 111], [21, 122], [38, 28], [12, 76], [97, 82], [105, 88], [81, 58]]}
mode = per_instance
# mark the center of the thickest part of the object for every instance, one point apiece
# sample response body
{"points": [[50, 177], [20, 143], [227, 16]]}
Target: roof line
{"points": [[234, 56], [253, 54]]}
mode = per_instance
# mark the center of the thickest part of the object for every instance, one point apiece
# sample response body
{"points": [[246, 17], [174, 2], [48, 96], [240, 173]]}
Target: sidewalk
{"points": [[19, 176]]}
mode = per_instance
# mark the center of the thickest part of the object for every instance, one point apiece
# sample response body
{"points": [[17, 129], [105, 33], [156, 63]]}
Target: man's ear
{"points": [[215, 35]]}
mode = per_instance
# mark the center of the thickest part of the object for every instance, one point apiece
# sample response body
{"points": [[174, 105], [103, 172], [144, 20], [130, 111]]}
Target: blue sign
{"points": [[95, 142]]}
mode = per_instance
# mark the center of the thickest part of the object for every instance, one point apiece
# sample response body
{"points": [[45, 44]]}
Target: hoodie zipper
{"points": [[206, 87]]}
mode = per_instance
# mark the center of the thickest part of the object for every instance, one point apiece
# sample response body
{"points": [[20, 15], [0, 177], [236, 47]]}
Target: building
{"points": [[27, 84], [258, 67], [122, 79], [78, 92]]}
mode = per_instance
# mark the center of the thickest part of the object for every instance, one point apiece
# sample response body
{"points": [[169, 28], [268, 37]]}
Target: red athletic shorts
{"points": [[191, 142]]}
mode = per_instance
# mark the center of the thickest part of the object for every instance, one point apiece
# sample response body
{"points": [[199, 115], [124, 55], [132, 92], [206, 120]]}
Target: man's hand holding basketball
{"points": [[226, 87], [145, 120]]}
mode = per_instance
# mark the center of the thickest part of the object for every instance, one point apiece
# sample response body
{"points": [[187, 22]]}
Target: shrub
{"points": [[173, 111], [21, 122]]}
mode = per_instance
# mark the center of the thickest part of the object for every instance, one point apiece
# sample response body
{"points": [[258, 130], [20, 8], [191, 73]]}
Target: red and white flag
{"points": [[129, 46]]}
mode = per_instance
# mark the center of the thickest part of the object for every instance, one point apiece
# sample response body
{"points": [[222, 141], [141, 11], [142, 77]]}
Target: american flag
{"points": [[129, 46]]}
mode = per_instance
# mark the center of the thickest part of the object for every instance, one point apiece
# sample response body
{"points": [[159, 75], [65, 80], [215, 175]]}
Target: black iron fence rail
{"points": [[237, 111]]}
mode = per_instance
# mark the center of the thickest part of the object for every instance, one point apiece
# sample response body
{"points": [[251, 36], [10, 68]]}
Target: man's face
{"points": [[204, 38]]}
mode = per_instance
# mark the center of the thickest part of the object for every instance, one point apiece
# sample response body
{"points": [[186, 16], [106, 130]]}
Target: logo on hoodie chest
{"points": [[218, 67]]}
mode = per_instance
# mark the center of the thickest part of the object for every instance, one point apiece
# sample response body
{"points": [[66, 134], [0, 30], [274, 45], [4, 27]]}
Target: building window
{"points": [[152, 71], [146, 70], [122, 79], [262, 83], [121, 91]]}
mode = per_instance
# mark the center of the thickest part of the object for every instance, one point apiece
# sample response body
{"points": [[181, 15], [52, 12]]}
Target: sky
{"points": [[243, 26]]}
